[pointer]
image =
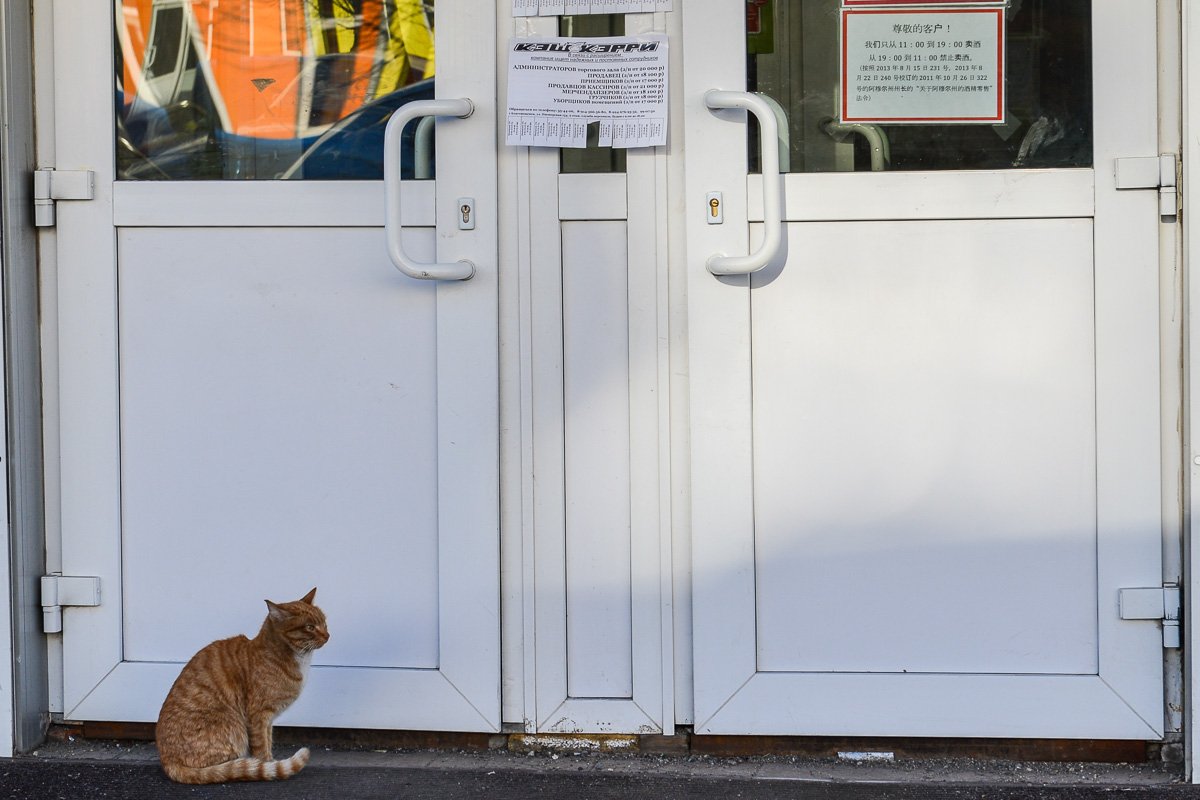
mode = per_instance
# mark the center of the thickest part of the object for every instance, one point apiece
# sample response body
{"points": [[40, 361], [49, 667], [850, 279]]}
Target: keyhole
{"points": [[713, 204], [466, 213]]}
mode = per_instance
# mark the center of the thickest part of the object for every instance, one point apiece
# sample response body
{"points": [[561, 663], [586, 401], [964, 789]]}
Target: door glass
{"points": [[793, 57], [263, 89], [592, 158]]}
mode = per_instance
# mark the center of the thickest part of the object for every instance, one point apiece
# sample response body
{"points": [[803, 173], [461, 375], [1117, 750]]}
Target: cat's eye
{"points": [[310, 628]]}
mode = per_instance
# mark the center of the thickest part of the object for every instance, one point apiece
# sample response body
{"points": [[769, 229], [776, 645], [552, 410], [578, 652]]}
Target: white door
{"points": [[253, 399], [926, 433]]}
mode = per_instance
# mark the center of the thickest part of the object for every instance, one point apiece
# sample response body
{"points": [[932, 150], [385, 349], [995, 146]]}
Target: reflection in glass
{"points": [[236, 89], [793, 57]]}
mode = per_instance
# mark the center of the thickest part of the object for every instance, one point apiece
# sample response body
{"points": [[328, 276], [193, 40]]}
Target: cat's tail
{"points": [[240, 769]]}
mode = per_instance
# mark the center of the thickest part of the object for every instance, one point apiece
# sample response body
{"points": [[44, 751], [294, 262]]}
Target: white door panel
{"points": [[597, 426], [924, 430], [597, 459], [271, 383]]}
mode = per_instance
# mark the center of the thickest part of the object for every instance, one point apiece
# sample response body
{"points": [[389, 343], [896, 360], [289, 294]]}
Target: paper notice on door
{"points": [[553, 8], [904, 65], [557, 86]]}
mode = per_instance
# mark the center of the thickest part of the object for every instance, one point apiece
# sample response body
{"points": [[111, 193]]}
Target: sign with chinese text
{"points": [[556, 86], [908, 65]]}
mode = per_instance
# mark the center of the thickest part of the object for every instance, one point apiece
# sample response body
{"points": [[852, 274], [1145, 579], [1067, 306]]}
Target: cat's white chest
{"points": [[304, 662]]}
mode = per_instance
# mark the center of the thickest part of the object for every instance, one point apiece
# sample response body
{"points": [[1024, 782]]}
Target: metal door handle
{"points": [[768, 130], [877, 140], [451, 271]]}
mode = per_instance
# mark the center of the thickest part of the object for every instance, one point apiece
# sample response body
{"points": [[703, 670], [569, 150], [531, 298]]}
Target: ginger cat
{"points": [[215, 724]]}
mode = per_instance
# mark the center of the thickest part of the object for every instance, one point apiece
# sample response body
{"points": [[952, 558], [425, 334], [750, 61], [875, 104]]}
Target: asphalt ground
{"points": [[113, 771]]}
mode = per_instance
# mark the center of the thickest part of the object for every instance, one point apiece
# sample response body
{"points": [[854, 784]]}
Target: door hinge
{"points": [[1161, 603], [65, 590], [51, 185], [1153, 172]]}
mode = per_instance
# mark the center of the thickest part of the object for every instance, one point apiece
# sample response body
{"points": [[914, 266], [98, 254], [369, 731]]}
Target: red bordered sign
{"points": [[922, 65]]}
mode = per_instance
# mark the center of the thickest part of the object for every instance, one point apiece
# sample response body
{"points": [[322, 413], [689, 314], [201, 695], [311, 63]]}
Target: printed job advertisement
{"points": [[556, 86]]}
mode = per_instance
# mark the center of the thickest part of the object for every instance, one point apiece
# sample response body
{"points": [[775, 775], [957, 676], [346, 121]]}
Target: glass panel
{"points": [[793, 57], [593, 158], [259, 89]]}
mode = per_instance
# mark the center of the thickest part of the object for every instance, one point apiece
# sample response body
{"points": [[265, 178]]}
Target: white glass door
{"points": [[271, 378], [925, 432]]}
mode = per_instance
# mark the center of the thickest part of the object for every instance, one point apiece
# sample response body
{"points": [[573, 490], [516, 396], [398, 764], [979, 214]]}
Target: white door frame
{"points": [[1191, 75], [23, 698], [561, 599], [1191, 364]]}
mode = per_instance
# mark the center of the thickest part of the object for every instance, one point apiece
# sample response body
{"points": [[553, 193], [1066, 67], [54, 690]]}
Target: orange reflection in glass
{"points": [[272, 69]]}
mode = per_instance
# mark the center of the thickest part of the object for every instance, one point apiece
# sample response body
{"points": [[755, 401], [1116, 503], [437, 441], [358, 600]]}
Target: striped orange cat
{"points": [[216, 723]]}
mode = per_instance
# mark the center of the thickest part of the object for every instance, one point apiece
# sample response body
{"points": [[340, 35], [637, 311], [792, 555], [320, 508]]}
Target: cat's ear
{"points": [[275, 612], [308, 598]]}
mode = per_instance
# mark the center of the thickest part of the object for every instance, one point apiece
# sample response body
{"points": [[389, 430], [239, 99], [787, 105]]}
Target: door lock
{"points": [[716, 214], [466, 213]]}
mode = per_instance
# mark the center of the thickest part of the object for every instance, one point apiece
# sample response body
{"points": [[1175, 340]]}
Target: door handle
{"points": [[451, 107], [768, 130], [877, 140]]}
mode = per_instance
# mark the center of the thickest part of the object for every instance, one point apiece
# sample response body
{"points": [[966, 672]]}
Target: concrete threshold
{"points": [[586, 759]]}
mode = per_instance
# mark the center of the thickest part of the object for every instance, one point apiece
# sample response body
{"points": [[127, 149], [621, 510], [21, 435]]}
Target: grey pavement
{"points": [[103, 770]]}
